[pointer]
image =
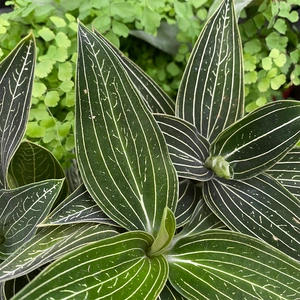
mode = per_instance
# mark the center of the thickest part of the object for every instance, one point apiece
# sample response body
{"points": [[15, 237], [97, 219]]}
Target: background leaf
{"points": [[122, 155], [33, 163], [169, 293], [116, 267], [16, 78], [222, 264], [211, 92], [260, 207]]}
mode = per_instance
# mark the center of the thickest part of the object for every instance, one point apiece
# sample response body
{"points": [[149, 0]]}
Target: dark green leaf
{"points": [[21, 209], [287, 171], [11, 287], [169, 293], [221, 264], [189, 195], [115, 268], [211, 92], [78, 207], [122, 155], [49, 244], [33, 163], [73, 176], [157, 101], [16, 79], [188, 149], [202, 219], [2, 292], [259, 140], [260, 207]]}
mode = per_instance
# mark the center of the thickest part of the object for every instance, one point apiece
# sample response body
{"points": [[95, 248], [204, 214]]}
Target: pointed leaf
{"points": [[78, 207], [16, 79], [189, 195], [122, 155], [115, 268], [157, 101], [221, 264], [188, 149], [21, 209], [258, 141], [287, 172], [260, 207], [211, 92], [49, 244]]}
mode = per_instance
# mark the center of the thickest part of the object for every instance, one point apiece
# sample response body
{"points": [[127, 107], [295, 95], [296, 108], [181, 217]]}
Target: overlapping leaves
{"points": [[126, 168], [116, 268]]}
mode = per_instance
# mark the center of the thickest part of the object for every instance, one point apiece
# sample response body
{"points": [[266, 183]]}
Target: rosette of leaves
{"points": [[126, 158]]}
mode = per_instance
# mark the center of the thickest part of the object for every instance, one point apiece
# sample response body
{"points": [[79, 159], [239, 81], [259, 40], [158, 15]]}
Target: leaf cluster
{"points": [[271, 52], [185, 200], [54, 27], [270, 34]]}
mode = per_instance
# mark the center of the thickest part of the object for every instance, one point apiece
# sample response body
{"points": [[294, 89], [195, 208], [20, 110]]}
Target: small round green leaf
{"points": [[47, 34], [58, 22], [51, 98]]}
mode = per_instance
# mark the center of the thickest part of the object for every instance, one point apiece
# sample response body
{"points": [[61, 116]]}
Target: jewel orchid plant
{"points": [[185, 200]]}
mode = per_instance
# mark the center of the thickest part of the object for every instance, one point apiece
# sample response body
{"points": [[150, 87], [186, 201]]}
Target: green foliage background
{"points": [[268, 29]]}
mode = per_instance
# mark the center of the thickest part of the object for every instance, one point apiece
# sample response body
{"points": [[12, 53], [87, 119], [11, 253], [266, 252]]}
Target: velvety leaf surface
{"points": [[21, 209], [33, 163], [188, 149], [169, 293], [49, 244], [156, 100], [189, 195], [113, 268], [259, 140], [260, 207], [287, 171], [16, 77], [221, 264], [202, 219], [11, 287], [211, 92], [122, 155], [78, 207], [73, 176], [2, 293]]}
